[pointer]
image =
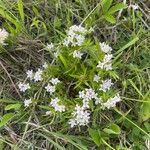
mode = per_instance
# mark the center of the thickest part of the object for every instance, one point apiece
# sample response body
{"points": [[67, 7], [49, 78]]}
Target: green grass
{"points": [[32, 24]]}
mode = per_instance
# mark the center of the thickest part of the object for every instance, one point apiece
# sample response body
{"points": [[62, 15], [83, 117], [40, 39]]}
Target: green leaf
{"points": [[117, 7], [106, 5], [13, 106], [113, 129], [7, 117], [95, 135], [110, 18], [145, 110], [20, 8]]}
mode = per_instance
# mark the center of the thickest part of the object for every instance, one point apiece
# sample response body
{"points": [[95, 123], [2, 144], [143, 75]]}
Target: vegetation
{"points": [[38, 35]]}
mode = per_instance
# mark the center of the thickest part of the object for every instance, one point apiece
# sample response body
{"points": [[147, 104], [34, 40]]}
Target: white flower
{"points": [[79, 40], [77, 54], [100, 65], [98, 101], [45, 65], [57, 107], [105, 48], [72, 123], [75, 36], [38, 75], [30, 74], [54, 101], [80, 117], [106, 64], [50, 89], [108, 67], [3, 36], [107, 58], [96, 78], [48, 112], [50, 46], [106, 84], [55, 81], [86, 96], [112, 102], [23, 87], [27, 102]]}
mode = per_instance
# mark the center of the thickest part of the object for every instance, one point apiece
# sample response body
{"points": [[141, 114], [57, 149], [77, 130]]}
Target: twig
{"points": [[1, 64]]}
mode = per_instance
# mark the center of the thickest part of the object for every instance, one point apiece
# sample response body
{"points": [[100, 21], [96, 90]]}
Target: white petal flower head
{"points": [[27, 102], [112, 102], [50, 89], [107, 58], [38, 75], [23, 87], [79, 40], [77, 54], [57, 107], [72, 123], [55, 81], [3, 36], [105, 48], [81, 116], [45, 65], [100, 65], [50, 46], [30, 74], [106, 84], [96, 78], [54, 101], [98, 101]]}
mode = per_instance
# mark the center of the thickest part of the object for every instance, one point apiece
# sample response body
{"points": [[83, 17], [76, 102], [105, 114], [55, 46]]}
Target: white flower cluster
{"points": [[106, 63], [23, 86], [80, 117], [37, 76], [75, 36], [97, 94], [51, 88], [112, 102], [106, 84], [55, 103], [3, 36]]}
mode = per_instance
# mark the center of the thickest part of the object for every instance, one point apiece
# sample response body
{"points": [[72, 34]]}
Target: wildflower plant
{"points": [[77, 80]]}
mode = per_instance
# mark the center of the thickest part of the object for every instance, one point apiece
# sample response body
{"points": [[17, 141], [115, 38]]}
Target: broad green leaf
{"points": [[13, 106], [117, 7], [106, 5], [113, 129], [110, 18], [145, 110], [6, 118], [95, 135], [21, 11]]}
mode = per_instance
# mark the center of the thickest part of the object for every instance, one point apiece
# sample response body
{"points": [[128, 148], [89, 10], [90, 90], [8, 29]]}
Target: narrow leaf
{"points": [[20, 8]]}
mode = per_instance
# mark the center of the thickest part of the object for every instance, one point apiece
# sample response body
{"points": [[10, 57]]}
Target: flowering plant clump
{"points": [[77, 80]]}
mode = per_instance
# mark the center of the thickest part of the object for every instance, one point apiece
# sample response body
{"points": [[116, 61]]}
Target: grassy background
{"points": [[45, 21]]}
